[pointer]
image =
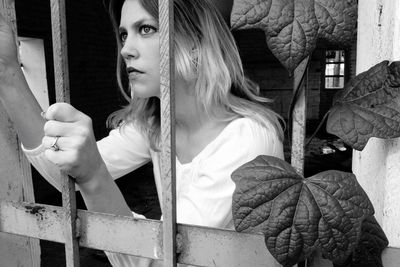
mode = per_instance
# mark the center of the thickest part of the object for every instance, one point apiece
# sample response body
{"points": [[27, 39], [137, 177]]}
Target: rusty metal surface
{"points": [[69, 223], [201, 246], [61, 75], [60, 50], [299, 118], [205, 246], [168, 173], [121, 234], [96, 230]]}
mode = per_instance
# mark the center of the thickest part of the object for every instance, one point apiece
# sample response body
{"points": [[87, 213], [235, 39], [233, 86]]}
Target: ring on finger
{"points": [[54, 145]]}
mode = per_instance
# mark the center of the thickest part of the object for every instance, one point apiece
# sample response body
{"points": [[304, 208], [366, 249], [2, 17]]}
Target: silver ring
{"points": [[54, 145]]}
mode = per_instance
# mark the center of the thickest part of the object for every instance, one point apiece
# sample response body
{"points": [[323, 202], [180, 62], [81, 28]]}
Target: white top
{"points": [[204, 187]]}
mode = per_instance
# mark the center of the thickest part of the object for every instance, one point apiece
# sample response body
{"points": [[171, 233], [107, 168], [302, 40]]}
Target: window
{"points": [[334, 69]]}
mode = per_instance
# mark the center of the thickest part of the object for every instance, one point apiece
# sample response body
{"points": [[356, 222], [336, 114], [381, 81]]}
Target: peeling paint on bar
{"points": [[61, 75], [200, 246], [168, 174], [299, 118], [136, 236]]}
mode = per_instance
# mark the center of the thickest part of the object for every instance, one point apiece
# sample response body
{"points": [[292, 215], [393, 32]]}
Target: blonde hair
{"points": [[206, 52]]}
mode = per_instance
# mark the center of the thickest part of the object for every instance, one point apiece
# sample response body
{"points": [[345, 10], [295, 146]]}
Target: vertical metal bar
{"points": [[70, 231], [166, 15], [60, 51], [299, 118], [61, 76]]}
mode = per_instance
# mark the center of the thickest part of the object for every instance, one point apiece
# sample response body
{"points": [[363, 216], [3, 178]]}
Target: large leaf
{"points": [[372, 242], [368, 106], [369, 249], [297, 215], [292, 27]]}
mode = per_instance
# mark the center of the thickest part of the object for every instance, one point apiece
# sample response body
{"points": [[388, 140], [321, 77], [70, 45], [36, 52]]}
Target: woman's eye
{"points": [[147, 29], [123, 36]]}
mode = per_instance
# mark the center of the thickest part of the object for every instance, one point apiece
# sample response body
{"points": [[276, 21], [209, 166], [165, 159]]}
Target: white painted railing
{"points": [[195, 245]]}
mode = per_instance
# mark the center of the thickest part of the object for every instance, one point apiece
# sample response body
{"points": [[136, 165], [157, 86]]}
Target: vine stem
{"points": [[318, 128]]}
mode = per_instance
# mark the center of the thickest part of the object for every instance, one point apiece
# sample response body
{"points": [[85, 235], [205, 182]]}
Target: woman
{"points": [[217, 112]]}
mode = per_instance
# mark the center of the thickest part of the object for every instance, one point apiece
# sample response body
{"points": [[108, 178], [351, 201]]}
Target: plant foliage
{"points": [[292, 27], [368, 106], [372, 242], [298, 215]]}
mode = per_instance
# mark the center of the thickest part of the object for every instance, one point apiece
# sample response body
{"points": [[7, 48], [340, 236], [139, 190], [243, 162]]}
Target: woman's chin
{"points": [[141, 94]]}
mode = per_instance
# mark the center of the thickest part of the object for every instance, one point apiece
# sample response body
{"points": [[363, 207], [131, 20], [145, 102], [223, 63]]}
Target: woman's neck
{"points": [[189, 116], [195, 129]]}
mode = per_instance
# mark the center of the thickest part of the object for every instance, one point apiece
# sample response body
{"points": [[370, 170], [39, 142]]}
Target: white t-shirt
{"points": [[204, 187]]}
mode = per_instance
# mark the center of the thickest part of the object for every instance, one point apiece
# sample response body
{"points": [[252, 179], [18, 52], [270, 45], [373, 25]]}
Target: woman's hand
{"points": [[8, 48], [75, 150]]}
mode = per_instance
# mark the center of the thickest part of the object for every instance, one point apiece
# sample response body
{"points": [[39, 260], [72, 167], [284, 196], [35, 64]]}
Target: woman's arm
{"points": [[21, 106], [101, 194], [15, 94], [78, 154]]}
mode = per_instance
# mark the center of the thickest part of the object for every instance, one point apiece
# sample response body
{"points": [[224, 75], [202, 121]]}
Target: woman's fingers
{"points": [[50, 142], [57, 128], [57, 143], [64, 112], [69, 141]]}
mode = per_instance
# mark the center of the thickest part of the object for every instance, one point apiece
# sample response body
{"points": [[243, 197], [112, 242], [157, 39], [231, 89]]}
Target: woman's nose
{"points": [[129, 50]]}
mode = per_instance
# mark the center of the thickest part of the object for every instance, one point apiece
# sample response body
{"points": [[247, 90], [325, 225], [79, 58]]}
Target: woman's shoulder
{"points": [[247, 125], [253, 135], [243, 139], [126, 134]]}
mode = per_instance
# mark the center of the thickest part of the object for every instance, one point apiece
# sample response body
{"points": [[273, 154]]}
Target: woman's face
{"points": [[140, 49]]}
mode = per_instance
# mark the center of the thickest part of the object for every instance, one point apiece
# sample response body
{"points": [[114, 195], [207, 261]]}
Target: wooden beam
{"points": [[167, 70], [17, 183]]}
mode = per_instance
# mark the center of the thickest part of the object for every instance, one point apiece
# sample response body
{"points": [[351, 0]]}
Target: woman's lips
{"points": [[133, 73]]}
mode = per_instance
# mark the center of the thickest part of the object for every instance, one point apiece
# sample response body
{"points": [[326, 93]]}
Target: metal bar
{"points": [[201, 246], [61, 76], [299, 118], [70, 221], [60, 51], [166, 15], [205, 246]]}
